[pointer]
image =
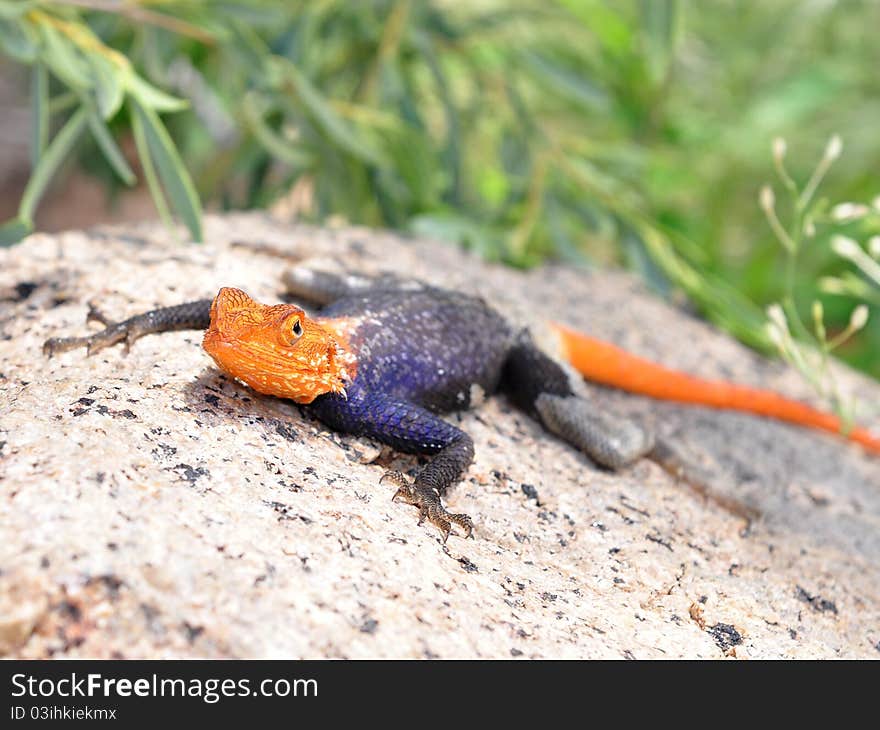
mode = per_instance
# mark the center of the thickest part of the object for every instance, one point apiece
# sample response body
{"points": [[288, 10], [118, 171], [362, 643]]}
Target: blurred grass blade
{"points": [[108, 86], [327, 119], [64, 59], [14, 8], [14, 230], [662, 24], [273, 142], [174, 176], [39, 112], [50, 162], [572, 85], [151, 97], [104, 138], [140, 141], [18, 40]]}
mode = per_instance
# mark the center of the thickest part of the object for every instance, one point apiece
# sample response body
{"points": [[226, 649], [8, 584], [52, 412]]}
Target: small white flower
{"points": [[767, 198], [875, 203], [831, 285], [848, 211], [834, 148], [776, 337], [779, 149], [777, 317], [809, 228], [846, 247], [859, 317], [874, 246]]}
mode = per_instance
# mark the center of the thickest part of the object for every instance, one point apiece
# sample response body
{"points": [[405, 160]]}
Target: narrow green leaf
{"points": [[62, 102], [14, 230], [50, 161], [328, 120], [108, 85], [274, 144], [152, 98], [64, 59], [140, 142], [39, 112], [174, 176], [14, 8], [104, 138], [570, 84], [18, 40], [661, 19]]}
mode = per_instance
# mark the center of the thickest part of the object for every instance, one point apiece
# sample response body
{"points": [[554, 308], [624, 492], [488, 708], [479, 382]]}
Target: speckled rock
{"points": [[151, 507]]}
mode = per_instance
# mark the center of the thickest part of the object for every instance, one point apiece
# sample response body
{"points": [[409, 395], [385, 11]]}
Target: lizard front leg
{"points": [[189, 316], [411, 429]]}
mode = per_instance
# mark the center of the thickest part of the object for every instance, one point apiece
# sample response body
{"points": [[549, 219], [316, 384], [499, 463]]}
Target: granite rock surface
{"points": [[151, 507]]}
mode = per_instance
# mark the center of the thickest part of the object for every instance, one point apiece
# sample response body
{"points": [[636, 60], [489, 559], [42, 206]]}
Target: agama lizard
{"points": [[383, 357]]}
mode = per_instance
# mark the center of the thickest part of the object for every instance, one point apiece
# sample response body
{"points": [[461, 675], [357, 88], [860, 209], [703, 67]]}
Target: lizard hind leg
{"points": [[612, 442], [540, 386], [321, 287]]}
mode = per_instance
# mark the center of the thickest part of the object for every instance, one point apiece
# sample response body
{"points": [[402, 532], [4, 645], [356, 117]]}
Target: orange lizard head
{"points": [[276, 350]]}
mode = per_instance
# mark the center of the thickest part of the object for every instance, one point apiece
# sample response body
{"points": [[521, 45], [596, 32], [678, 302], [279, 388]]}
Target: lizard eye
{"points": [[292, 330]]}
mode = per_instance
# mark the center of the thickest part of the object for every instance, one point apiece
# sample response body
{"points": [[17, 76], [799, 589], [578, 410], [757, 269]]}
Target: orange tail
{"points": [[602, 362]]}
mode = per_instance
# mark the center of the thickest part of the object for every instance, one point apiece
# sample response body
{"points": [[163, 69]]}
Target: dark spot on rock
{"points": [[24, 289], [126, 413], [660, 541], [187, 473], [530, 492], [212, 399], [817, 603], [290, 486], [286, 431], [70, 610], [725, 635], [369, 626], [515, 652], [44, 562], [467, 565], [165, 450], [192, 632], [285, 512], [86, 401], [92, 389], [549, 597]]}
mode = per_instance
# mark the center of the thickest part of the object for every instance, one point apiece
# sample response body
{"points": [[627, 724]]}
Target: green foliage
{"points": [[810, 351], [582, 130], [99, 81]]}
